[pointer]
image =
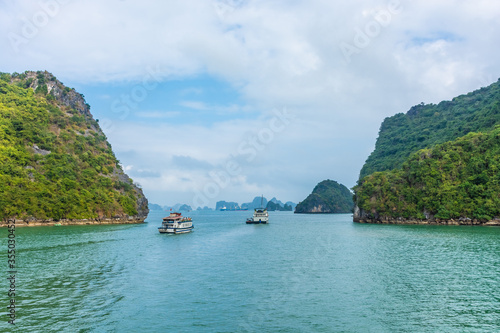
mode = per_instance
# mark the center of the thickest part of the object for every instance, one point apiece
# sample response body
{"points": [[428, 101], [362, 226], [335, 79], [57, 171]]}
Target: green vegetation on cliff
{"points": [[327, 197], [457, 179], [55, 161], [427, 125]]}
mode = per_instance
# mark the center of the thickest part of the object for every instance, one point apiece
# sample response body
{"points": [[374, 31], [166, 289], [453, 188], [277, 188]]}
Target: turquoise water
{"points": [[300, 273]]}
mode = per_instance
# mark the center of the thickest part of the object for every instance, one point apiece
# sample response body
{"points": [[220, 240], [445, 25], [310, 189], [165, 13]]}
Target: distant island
{"points": [[436, 164], [56, 164], [328, 197], [228, 205], [205, 209], [153, 206], [258, 202], [276, 205], [176, 208], [271, 205]]}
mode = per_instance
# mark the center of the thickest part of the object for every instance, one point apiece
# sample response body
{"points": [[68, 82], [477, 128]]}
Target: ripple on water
{"points": [[226, 276]]}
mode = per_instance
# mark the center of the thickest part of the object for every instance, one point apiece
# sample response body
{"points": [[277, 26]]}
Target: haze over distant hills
{"points": [[176, 207], [257, 202]]}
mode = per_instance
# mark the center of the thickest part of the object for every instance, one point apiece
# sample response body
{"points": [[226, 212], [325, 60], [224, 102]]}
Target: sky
{"points": [[208, 100]]}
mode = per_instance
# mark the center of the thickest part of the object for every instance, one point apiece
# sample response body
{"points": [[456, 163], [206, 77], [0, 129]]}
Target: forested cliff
{"points": [[55, 161], [424, 126], [436, 164]]}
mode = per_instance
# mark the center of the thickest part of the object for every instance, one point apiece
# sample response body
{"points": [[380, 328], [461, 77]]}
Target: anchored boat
{"points": [[176, 224], [260, 215]]}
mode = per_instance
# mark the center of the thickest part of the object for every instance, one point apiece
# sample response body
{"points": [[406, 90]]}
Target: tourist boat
{"points": [[176, 224], [260, 215]]}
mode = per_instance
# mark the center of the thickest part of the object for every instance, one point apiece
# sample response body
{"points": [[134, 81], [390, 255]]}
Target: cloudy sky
{"points": [[207, 100]]}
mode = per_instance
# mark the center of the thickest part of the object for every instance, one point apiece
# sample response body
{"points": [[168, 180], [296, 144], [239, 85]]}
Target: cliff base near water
{"points": [[64, 222], [361, 217]]}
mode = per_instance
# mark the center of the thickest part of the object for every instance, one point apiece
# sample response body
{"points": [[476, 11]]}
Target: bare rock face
{"points": [[67, 96], [40, 151], [142, 201]]}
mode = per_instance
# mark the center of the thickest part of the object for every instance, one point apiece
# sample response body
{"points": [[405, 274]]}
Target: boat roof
{"points": [[175, 217]]}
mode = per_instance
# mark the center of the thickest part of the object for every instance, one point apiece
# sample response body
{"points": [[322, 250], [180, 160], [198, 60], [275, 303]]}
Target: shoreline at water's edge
{"points": [[319, 213], [64, 222], [426, 222], [360, 216]]}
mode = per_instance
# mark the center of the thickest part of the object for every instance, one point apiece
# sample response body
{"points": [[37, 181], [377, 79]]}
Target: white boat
{"points": [[260, 215], [176, 224]]}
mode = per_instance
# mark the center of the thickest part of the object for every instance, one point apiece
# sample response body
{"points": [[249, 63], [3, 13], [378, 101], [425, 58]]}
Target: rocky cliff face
{"points": [[65, 95], [141, 200], [59, 157], [314, 204], [362, 216]]}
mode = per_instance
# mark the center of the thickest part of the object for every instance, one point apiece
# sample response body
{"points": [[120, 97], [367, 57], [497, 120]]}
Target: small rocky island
{"points": [[328, 197], [56, 165]]}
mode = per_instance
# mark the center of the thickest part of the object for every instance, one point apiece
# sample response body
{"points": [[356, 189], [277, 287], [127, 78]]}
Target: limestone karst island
{"points": [[436, 164], [55, 162], [328, 197]]}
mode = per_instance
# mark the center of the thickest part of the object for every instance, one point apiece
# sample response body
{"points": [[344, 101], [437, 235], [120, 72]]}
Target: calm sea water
{"points": [[300, 273]]}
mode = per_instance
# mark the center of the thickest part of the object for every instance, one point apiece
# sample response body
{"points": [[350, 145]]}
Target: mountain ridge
{"points": [[425, 125]]}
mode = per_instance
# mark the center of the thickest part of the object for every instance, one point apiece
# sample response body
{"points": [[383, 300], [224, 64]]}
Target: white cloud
{"points": [[158, 114], [196, 105]]}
